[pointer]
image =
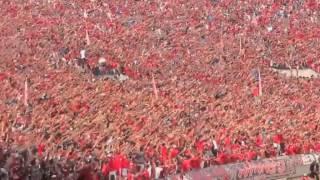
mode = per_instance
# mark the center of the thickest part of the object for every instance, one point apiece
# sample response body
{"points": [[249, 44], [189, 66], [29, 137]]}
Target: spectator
{"points": [[314, 169], [102, 67], [215, 147], [139, 158], [158, 171], [82, 59], [4, 174], [305, 177]]}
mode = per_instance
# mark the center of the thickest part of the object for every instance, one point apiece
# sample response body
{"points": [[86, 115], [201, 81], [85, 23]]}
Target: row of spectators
{"points": [[147, 163]]}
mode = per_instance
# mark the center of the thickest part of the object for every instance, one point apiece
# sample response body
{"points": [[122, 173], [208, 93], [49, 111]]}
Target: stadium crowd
{"points": [[188, 96]]}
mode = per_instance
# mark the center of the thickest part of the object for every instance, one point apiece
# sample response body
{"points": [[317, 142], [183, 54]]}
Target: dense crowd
{"points": [[180, 90], [30, 164]]}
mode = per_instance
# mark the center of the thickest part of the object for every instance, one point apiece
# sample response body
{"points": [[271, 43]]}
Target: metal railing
{"points": [[282, 167]]}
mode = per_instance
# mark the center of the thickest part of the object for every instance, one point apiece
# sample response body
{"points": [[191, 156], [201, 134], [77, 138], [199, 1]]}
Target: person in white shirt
{"points": [[157, 171], [215, 146], [81, 63], [83, 54]]}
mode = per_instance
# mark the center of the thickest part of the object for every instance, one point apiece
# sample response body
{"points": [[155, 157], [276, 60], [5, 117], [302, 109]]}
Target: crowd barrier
{"points": [[283, 167]]}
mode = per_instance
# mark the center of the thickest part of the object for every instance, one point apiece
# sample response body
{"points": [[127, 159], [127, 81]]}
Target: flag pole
{"points": [[85, 15], [260, 84], [155, 90], [26, 93]]}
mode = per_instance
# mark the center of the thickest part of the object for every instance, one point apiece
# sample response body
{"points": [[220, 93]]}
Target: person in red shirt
{"points": [[130, 176], [235, 146], [195, 163], [307, 147], [150, 152], [105, 169], [317, 147], [144, 175], [291, 150], [278, 138], [235, 157], [270, 151], [116, 163], [164, 152], [251, 155], [227, 141], [200, 144], [186, 165], [173, 152], [125, 166], [222, 158]]}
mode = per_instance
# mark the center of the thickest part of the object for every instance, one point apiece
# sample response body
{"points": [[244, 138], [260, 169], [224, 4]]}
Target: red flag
{"points": [[255, 91]]}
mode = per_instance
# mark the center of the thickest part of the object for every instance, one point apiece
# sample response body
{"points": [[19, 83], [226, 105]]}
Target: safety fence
{"points": [[283, 167]]}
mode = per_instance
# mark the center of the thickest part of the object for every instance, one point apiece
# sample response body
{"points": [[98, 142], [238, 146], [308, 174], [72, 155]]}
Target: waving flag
{"points": [[256, 76]]}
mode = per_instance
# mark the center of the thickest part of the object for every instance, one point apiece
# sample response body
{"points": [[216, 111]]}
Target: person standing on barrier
{"points": [[314, 169], [305, 177]]}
